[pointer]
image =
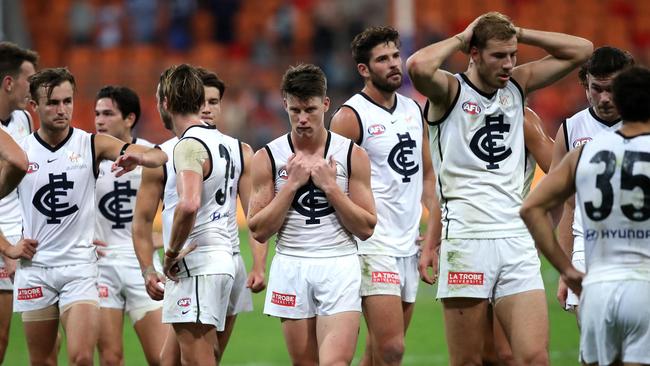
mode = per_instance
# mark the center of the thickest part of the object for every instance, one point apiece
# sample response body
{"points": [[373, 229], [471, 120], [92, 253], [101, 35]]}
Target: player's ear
{"points": [[7, 83], [326, 103], [363, 70], [130, 120]]}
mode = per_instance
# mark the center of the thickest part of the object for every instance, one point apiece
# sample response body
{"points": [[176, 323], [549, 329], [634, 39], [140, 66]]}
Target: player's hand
{"points": [[125, 163], [24, 249], [573, 278], [467, 34], [256, 281], [154, 282], [562, 292], [323, 173], [10, 267], [298, 169], [170, 263], [100, 244], [429, 259]]}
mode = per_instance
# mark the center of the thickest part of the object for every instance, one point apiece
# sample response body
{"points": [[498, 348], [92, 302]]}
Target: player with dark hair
{"points": [[121, 289], [312, 187], [610, 176], [57, 201], [390, 128], [597, 76]]}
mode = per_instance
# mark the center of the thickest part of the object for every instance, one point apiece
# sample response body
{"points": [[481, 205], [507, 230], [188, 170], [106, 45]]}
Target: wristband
{"points": [[123, 149]]}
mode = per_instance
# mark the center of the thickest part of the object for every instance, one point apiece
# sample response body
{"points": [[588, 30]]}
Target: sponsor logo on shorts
{"points": [[377, 129], [103, 291], [385, 277], [283, 299], [471, 108], [580, 141], [4, 273], [184, 302], [30, 293], [465, 278]]}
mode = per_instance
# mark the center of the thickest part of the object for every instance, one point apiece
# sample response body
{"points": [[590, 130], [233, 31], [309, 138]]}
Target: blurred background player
{"points": [[476, 129], [312, 187], [596, 75], [16, 66], [389, 126], [198, 257], [57, 202], [121, 289], [610, 175]]}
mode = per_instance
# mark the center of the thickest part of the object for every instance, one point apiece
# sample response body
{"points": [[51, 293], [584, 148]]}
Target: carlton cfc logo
{"points": [[471, 108], [376, 129]]}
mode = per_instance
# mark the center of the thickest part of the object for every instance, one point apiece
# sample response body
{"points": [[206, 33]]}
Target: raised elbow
{"points": [[414, 66], [525, 211]]}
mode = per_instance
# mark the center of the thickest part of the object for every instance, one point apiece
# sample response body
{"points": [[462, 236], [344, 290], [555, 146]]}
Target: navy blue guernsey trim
{"points": [[350, 159], [476, 89], [198, 304], [186, 268], [198, 126], [389, 110], [29, 120], [447, 113], [206, 148], [327, 144], [602, 121], [360, 140], [523, 96], [566, 136], [93, 157], [618, 132], [290, 143], [241, 156], [59, 145], [268, 152], [575, 170], [442, 196]]}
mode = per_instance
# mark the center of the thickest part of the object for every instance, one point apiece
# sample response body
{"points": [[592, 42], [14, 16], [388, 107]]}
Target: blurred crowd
{"points": [[250, 43]]}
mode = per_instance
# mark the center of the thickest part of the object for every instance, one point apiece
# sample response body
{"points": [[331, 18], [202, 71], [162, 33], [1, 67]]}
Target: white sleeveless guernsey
{"points": [[17, 127], [311, 227], [237, 166], [578, 130], [57, 198], [213, 254], [393, 140], [479, 157], [115, 200], [170, 195], [613, 190]]}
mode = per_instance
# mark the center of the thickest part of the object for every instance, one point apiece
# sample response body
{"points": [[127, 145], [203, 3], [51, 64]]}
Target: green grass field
{"points": [[257, 339]]}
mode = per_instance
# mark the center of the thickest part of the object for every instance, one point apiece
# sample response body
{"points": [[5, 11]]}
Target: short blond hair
{"points": [[492, 25]]}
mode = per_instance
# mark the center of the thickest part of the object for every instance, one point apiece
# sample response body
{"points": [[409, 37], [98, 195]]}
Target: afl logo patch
{"points": [[471, 108], [32, 167], [282, 173], [377, 129], [581, 141]]}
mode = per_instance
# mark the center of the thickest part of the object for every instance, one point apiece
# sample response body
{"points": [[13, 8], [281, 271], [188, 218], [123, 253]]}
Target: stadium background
{"points": [[249, 43]]}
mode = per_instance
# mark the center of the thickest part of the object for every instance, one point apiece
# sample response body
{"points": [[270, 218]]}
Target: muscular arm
{"points": [[566, 52], [564, 216], [108, 148], [346, 123], [537, 141], [192, 164], [258, 250], [356, 211], [13, 164], [431, 243], [558, 185], [267, 210], [146, 205]]}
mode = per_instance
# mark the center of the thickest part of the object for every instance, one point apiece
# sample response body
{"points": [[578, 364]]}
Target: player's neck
{"points": [[476, 79], [181, 122], [53, 137], [312, 144], [383, 98], [126, 137], [5, 109], [631, 129]]}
